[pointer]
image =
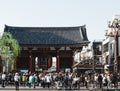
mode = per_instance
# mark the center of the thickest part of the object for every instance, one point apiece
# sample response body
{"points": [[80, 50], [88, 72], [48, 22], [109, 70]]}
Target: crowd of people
{"points": [[61, 80]]}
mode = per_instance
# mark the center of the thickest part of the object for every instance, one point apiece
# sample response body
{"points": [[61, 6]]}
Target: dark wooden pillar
{"points": [[39, 62], [58, 61], [30, 61], [50, 61], [73, 61]]}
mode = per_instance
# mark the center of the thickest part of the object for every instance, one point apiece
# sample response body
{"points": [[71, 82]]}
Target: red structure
{"points": [[40, 44]]}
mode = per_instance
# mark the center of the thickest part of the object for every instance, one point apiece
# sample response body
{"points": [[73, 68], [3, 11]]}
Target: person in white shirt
{"points": [[48, 80], [96, 80], [105, 80], [3, 79], [17, 79]]}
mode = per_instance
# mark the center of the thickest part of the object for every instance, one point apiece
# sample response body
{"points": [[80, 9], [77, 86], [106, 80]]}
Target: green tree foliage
{"points": [[7, 41], [9, 49]]}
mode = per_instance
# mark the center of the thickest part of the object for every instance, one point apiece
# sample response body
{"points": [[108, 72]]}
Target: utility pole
{"points": [[114, 33]]}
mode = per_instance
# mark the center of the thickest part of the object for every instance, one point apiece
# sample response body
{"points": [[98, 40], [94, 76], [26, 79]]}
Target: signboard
{"points": [[67, 70], [24, 71]]}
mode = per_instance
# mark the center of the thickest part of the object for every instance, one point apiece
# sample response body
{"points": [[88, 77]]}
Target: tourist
{"points": [[17, 79], [3, 79]]}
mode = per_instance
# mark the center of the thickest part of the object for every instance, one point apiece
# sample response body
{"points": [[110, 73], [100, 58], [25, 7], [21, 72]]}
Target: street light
{"points": [[114, 33]]}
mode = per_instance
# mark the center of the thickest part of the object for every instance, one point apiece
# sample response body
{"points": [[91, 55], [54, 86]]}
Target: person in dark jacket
{"points": [[115, 79], [100, 80]]}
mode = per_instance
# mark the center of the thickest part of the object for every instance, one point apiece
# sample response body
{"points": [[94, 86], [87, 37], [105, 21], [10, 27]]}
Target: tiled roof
{"points": [[48, 35]]}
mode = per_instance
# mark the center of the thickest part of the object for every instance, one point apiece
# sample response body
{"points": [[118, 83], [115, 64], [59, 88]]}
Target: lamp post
{"points": [[114, 33]]}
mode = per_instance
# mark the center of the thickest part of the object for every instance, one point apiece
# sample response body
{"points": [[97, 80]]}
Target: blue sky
{"points": [[60, 13]]}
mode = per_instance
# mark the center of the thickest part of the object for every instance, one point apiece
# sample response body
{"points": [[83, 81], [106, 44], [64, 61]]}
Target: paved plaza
{"points": [[9, 88]]}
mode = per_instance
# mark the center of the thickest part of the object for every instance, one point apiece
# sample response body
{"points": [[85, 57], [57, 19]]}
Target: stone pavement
{"points": [[21, 88], [9, 88], [36, 89]]}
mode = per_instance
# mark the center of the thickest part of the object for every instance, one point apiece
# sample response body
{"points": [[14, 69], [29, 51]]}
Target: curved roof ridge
{"points": [[49, 35], [46, 26]]}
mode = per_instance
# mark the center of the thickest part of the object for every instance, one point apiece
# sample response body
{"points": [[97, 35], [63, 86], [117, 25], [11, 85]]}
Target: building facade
{"points": [[40, 44], [97, 56], [90, 59]]}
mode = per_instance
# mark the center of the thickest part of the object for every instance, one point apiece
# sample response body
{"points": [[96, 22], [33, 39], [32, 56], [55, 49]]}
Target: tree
{"points": [[9, 50]]}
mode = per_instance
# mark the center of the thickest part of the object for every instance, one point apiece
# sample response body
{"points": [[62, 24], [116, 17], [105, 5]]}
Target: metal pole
{"points": [[115, 53]]}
